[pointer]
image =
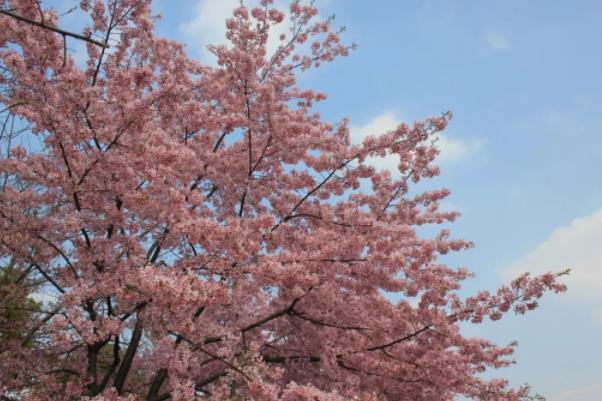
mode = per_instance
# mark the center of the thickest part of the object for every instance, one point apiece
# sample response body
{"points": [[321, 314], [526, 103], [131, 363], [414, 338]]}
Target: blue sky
{"points": [[521, 156]]}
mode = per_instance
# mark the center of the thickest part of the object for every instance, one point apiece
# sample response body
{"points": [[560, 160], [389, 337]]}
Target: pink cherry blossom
{"points": [[205, 234]]}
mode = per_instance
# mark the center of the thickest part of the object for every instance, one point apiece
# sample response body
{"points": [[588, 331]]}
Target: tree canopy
{"points": [[205, 234]]}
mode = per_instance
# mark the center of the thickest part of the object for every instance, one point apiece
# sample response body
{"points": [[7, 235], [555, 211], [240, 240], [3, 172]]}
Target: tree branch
{"points": [[54, 29], [126, 364]]}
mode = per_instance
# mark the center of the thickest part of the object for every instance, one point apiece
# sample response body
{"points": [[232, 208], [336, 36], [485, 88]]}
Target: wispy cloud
{"points": [[578, 246], [44, 296], [452, 149], [589, 393], [379, 125], [207, 26], [497, 41], [455, 150]]}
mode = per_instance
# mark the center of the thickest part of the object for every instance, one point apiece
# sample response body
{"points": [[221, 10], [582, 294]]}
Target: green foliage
{"points": [[18, 311]]}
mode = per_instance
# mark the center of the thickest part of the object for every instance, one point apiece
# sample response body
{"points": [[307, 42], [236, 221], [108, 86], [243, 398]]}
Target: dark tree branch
{"points": [[162, 373], [126, 364], [312, 191], [63, 255], [294, 358], [49, 279], [198, 347], [399, 340], [38, 326], [317, 322], [263, 321], [112, 368], [54, 29], [153, 391]]}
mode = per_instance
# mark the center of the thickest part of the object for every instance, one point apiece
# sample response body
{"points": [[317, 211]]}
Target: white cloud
{"points": [[590, 393], [381, 124], [497, 41], [207, 23], [597, 315], [448, 206], [44, 297], [452, 149], [578, 246], [207, 26]]}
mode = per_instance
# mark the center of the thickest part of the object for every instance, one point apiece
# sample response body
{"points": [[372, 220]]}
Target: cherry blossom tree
{"points": [[201, 233]]}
